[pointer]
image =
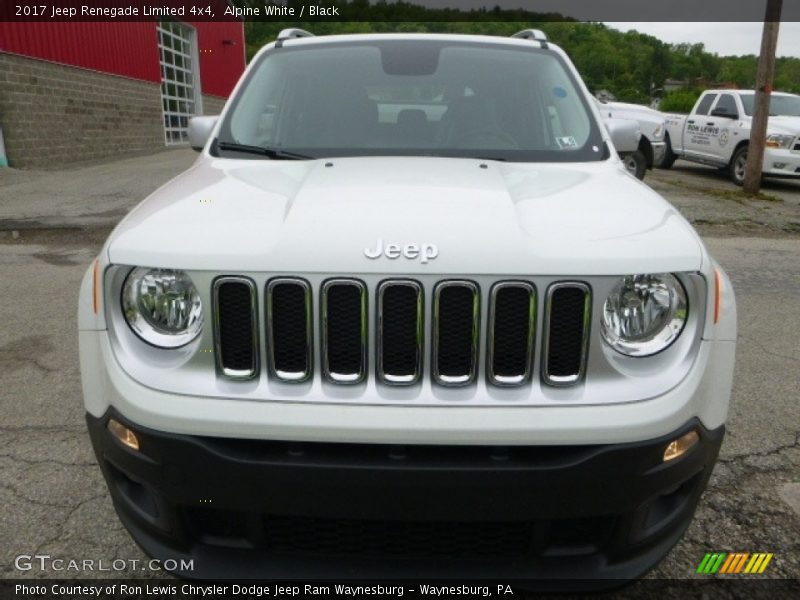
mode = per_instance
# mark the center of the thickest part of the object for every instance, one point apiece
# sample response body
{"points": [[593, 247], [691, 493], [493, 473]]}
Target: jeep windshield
{"points": [[410, 97]]}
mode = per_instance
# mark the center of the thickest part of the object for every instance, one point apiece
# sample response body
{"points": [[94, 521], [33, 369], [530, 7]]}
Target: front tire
{"points": [[738, 166], [636, 164]]}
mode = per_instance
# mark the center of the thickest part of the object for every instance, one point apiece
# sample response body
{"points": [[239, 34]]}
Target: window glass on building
{"points": [[180, 80]]}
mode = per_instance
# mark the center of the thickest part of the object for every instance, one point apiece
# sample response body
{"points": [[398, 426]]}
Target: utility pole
{"points": [[764, 76]]}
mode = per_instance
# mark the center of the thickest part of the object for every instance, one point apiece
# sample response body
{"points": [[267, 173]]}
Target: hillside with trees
{"points": [[631, 65]]}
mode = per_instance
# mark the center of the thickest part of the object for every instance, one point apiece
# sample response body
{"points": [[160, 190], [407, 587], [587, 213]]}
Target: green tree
{"points": [[680, 101]]}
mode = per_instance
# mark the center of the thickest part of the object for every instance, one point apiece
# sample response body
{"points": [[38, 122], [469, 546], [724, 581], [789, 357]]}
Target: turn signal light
{"points": [[126, 436], [679, 447]]}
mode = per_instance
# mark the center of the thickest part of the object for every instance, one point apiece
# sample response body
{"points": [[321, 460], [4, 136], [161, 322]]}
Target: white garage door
{"points": [[180, 79]]}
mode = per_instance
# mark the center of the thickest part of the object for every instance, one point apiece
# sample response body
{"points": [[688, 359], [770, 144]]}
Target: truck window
{"points": [[727, 103], [784, 106], [705, 104]]}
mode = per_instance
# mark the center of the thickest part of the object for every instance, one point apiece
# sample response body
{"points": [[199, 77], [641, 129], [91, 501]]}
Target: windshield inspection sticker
{"points": [[566, 142]]}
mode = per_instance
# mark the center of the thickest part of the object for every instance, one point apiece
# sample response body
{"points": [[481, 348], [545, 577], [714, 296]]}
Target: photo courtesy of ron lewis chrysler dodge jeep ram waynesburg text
{"points": [[407, 315]]}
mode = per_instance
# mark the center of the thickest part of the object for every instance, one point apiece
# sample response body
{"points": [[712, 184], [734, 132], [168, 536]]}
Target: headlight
{"points": [[658, 132], [162, 306], [779, 141], [644, 314]]}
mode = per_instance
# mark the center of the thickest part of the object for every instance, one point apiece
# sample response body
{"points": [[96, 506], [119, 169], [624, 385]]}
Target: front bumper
{"points": [[704, 394], [659, 151], [781, 162], [245, 508]]}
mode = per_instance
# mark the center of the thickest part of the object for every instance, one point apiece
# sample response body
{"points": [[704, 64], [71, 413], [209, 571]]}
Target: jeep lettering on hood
{"points": [[423, 252]]}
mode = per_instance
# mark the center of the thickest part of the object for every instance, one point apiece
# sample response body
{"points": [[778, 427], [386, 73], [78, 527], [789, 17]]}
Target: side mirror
{"points": [[200, 130], [723, 114], [625, 134]]}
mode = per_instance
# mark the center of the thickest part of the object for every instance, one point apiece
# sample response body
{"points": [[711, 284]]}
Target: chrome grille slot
{"points": [[235, 327], [399, 332], [510, 336], [344, 330], [289, 329], [567, 323], [456, 307]]}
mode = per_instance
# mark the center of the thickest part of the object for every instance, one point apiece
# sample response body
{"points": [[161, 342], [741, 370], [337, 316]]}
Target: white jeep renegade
{"points": [[407, 315]]}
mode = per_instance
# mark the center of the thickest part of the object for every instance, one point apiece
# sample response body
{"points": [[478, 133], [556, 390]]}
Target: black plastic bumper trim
{"points": [[593, 512]]}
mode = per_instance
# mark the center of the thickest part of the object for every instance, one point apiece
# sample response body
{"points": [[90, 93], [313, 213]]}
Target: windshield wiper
{"points": [[273, 153]]}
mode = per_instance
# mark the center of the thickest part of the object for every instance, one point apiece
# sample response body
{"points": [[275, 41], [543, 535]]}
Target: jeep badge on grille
{"points": [[423, 252]]}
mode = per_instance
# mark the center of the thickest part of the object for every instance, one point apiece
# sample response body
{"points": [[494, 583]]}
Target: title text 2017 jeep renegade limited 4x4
{"points": [[407, 314]]}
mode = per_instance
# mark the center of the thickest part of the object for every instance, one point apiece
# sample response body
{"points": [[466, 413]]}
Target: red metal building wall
{"points": [[129, 49], [221, 47], [121, 48]]}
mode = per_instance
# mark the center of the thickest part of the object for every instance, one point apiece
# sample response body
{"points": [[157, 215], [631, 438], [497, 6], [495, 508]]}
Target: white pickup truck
{"points": [[651, 148], [717, 133]]}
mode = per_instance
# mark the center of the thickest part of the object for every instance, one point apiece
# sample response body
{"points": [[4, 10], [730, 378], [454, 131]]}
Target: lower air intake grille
{"points": [[344, 332], [512, 322], [396, 539], [568, 306], [289, 328], [237, 353], [400, 332], [455, 338]]}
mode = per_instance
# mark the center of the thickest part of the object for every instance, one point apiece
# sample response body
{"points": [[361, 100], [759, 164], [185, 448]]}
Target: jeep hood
{"points": [[484, 217]]}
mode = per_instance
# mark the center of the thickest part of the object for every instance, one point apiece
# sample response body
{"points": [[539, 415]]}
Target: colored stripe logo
{"points": [[734, 563]]}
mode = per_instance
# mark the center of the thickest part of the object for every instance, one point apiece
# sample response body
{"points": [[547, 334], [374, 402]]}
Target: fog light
{"points": [[124, 435], [679, 447]]}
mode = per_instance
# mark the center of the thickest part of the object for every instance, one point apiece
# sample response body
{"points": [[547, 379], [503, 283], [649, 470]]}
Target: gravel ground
{"points": [[718, 207]]}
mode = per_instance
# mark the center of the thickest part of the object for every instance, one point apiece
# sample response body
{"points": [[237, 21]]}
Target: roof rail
{"points": [[532, 34], [293, 32]]}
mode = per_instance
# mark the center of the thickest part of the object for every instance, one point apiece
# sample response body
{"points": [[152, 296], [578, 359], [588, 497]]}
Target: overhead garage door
{"points": [[180, 79]]}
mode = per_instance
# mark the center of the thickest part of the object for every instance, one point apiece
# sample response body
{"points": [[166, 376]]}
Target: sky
{"points": [[635, 10], [722, 38]]}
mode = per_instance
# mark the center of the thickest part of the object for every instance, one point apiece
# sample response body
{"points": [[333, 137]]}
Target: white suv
{"points": [[407, 314]]}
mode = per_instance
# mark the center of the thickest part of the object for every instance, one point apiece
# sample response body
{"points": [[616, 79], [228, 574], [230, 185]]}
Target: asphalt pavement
{"points": [[52, 493]]}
